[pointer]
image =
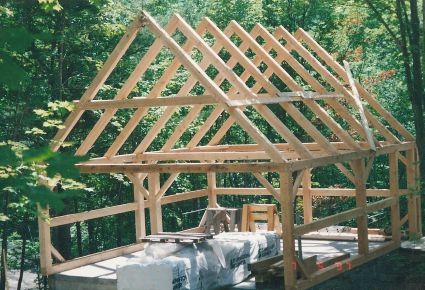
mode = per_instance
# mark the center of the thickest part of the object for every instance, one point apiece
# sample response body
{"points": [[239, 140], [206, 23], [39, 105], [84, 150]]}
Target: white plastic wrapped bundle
{"points": [[213, 264]]}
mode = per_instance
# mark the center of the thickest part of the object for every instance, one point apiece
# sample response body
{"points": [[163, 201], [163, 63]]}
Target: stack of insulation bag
{"points": [[216, 263]]}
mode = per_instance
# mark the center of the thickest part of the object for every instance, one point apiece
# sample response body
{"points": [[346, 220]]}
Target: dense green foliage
{"points": [[50, 52]]}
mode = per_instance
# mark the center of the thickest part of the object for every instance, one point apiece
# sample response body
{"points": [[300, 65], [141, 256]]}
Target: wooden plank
{"points": [[266, 184], [166, 185], [56, 254], [212, 185], [92, 214], [307, 197], [368, 168], [394, 189], [98, 81], [296, 165], [212, 87], [139, 213], [362, 232], [359, 105], [94, 258], [183, 196], [139, 102], [155, 210], [297, 183], [286, 187], [328, 221], [412, 185], [45, 240], [137, 184]]}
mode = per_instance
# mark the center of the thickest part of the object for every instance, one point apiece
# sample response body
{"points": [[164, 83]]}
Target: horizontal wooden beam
{"points": [[182, 167], [139, 102], [183, 196], [92, 214], [344, 216], [97, 257], [283, 97]]}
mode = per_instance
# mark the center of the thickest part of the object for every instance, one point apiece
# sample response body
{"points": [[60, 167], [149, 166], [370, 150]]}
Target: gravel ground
{"points": [[28, 281]]}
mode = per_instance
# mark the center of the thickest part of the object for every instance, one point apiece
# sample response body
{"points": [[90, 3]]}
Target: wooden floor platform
{"points": [[102, 275]]}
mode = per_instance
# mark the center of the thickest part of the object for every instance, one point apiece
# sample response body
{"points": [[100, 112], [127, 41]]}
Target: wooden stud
{"points": [[394, 189], [212, 195], [362, 228], [55, 253], [44, 238], [413, 191], [155, 210], [297, 183], [286, 187], [307, 199], [139, 213], [359, 105]]}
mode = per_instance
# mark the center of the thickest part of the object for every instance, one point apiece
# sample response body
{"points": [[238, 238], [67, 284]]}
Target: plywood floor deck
{"points": [[102, 275]]}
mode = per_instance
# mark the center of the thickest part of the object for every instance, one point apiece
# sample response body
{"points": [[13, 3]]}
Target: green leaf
{"points": [[64, 164], [44, 196], [38, 155], [8, 156], [11, 74], [15, 38], [50, 5]]}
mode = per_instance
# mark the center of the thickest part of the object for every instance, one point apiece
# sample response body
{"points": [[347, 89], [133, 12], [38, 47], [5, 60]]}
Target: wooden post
{"points": [[307, 200], [412, 186], [45, 241], [139, 213], [362, 231], [155, 210], [212, 185], [394, 190], [286, 188]]}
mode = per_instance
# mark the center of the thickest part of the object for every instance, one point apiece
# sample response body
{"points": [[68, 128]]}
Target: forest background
{"points": [[51, 50]]}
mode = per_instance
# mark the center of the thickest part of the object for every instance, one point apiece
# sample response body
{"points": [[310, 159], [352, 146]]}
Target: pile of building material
{"points": [[215, 263]]}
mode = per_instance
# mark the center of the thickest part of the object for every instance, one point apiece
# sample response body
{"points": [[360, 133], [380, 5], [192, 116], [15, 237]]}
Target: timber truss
{"points": [[286, 80]]}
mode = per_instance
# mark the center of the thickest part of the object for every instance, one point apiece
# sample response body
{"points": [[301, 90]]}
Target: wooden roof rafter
{"points": [[234, 102]]}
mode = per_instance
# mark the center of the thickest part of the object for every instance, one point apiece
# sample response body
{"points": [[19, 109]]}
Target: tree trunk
{"points": [[4, 242], [418, 91], [23, 252]]}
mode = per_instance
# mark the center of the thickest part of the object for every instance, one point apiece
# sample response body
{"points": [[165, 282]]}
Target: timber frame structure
{"points": [[309, 79]]}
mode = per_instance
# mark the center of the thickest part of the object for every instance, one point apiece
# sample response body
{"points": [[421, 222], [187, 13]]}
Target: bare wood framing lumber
{"points": [[266, 184], [394, 189], [155, 210], [44, 238], [362, 228], [139, 213], [297, 183], [93, 258], [92, 214], [212, 87], [56, 254], [286, 187], [212, 185], [360, 107], [183, 196], [307, 200]]}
